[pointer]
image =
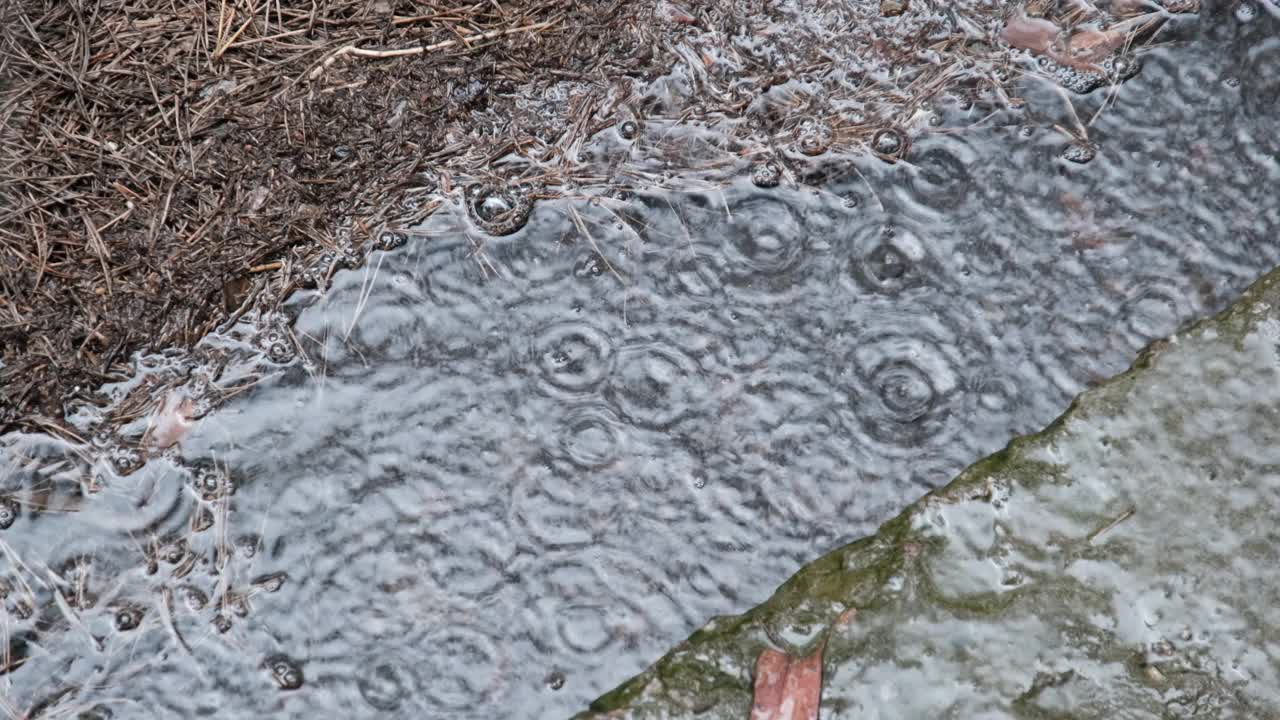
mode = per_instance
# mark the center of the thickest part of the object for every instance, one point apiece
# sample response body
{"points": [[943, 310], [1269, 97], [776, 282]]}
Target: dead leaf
{"points": [[171, 421], [1035, 34], [787, 688]]}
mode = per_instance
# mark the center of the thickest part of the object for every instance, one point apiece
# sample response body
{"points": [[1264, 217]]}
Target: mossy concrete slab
{"points": [[1122, 563]]}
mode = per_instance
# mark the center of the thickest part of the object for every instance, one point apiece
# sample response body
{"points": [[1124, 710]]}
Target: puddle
{"points": [[509, 470]]}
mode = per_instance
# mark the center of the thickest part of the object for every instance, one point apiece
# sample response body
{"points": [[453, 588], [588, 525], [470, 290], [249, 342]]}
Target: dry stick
{"points": [[405, 52], [582, 228], [217, 54]]}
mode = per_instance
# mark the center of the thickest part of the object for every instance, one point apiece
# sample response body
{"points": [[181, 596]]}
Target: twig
{"points": [[405, 52]]}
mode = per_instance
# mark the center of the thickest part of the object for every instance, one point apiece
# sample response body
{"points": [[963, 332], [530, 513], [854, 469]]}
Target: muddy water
{"points": [[504, 473]]}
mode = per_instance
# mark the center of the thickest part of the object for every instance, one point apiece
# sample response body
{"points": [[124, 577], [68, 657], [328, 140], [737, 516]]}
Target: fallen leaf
{"points": [[787, 688], [1035, 34], [172, 420]]}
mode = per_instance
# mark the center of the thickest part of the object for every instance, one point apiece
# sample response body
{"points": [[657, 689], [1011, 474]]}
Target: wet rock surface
{"points": [[1118, 564], [507, 471]]}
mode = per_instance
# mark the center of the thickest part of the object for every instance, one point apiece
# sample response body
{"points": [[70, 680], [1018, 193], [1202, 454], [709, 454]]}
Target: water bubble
{"points": [[890, 144], [591, 265], [813, 136], [315, 275], [285, 672], [128, 618], [391, 239], [767, 174], [212, 484], [1079, 152], [10, 511], [1123, 67], [629, 129], [1081, 81], [280, 353], [498, 209], [555, 680], [125, 460]]}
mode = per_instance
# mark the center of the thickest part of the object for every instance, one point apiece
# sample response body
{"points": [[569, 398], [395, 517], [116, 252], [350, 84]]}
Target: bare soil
{"points": [[160, 159], [166, 164]]}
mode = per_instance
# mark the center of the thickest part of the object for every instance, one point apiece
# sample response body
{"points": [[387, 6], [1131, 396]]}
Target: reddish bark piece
{"points": [[787, 688]]}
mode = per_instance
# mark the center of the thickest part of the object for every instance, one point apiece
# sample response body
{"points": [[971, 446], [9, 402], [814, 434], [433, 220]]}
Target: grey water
{"points": [[503, 474]]}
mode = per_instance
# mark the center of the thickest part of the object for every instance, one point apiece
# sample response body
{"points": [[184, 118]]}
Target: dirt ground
{"points": [[162, 159], [166, 163]]}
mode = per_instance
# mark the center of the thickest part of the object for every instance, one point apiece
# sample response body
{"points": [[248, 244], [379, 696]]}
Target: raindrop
{"points": [[765, 238], [590, 439], [656, 385], [905, 390], [285, 672], [574, 356]]}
